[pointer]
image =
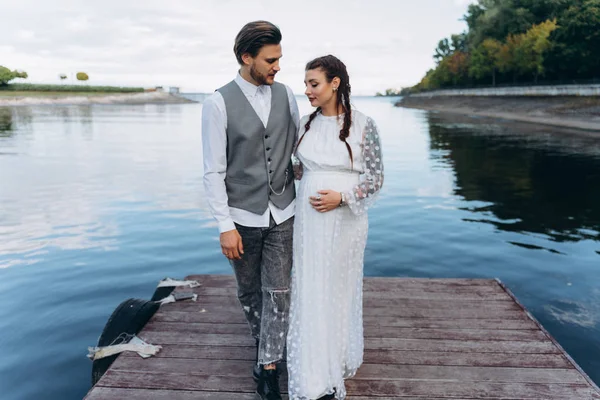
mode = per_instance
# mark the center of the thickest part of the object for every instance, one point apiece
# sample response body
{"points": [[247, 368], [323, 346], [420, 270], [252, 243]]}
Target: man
{"points": [[248, 134]]}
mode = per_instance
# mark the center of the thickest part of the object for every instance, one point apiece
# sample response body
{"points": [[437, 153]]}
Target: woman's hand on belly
{"points": [[325, 200]]}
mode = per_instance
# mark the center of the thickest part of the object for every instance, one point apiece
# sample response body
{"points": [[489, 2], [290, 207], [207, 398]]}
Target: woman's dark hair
{"points": [[253, 36], [333, 67]]}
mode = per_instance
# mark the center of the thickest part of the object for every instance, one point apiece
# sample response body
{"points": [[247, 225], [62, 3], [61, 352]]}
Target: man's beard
{"points": [[258, 77]]}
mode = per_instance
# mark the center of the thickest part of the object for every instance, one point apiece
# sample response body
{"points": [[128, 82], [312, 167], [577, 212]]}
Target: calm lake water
{"points": [[98, 203]]}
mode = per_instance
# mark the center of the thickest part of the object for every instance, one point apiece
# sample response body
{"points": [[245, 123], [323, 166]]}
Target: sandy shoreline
{"points": [[569, 112], [75, 99]]}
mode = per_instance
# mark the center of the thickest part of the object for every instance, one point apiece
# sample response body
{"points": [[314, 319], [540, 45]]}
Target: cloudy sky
{"points": [[188, 43]]}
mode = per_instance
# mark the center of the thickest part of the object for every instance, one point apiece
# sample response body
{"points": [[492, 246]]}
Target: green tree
{"points": [[82, 76], [441, 75], [474, 12], [6, 75], [459, 42], [451, 71], [532, 48], [574, 53], [484, 60], [442, 50], [509, 56], [458, 66], [446, 47], [496, 19]]}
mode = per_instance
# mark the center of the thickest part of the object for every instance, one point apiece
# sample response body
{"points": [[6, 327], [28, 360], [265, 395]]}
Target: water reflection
{"points": [[77, 170], [5, 122], [534, 182]]}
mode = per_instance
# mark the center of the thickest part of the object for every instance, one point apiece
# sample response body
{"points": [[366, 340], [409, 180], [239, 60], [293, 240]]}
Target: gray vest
{"points": [[258, 157]]}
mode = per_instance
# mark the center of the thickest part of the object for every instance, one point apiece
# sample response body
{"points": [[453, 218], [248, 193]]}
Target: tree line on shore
{"points": [[6, 75], [519, 41]]}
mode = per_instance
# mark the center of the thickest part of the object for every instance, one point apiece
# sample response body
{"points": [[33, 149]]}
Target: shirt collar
{"points": [[248, 88]]}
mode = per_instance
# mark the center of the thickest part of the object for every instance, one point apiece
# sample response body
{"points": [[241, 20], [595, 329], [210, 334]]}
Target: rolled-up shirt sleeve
{"points": [[214, 150]]}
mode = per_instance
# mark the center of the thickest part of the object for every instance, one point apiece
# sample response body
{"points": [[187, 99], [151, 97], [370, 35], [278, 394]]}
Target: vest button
{"points": [[269, 160], [270, 171], [268, 149], [266, 136]]}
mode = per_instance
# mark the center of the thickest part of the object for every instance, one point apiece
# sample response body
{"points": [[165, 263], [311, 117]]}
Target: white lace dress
{"points": [[325, 338]]}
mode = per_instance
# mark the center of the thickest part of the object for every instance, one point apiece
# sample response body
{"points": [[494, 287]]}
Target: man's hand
{"points": [[231, 244]]}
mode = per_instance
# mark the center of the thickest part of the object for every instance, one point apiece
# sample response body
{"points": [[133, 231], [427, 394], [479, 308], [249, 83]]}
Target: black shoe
{"points": [[328, 396], [268, 385], [256, 372]]}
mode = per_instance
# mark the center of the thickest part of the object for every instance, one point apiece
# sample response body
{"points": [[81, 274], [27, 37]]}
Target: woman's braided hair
{"points": [[333, 67]]}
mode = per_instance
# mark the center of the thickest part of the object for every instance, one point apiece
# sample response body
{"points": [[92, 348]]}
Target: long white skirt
{"points": [[325, 339]]}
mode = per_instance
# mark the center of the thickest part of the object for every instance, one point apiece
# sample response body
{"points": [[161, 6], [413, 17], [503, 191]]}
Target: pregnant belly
{"points": [[312, 182]]}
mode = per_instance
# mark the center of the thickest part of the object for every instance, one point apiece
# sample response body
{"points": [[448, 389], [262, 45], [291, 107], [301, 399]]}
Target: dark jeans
{"points": [[263, 278]]}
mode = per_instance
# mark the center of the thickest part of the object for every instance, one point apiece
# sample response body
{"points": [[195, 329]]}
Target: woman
{"points": [[340, 170]]}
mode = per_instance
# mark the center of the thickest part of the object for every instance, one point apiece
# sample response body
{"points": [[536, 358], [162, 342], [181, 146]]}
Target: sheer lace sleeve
{"points": [[364, 194]]}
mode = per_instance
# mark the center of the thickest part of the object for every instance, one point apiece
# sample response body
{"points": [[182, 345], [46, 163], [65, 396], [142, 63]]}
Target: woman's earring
{"points": [[334, 89]]}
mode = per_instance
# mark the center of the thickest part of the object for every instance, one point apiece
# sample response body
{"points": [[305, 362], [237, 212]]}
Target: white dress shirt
{"points": [[214, 143]]}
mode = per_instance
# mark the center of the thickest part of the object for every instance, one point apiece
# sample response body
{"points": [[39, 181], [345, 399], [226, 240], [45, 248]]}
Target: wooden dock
{"points": [[425, 339]]}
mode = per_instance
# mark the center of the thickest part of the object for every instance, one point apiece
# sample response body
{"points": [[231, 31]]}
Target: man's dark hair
{"points": [[253, 36]]}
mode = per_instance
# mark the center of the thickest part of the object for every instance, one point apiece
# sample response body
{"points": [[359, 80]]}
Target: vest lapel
{"points": [[248, 107]]}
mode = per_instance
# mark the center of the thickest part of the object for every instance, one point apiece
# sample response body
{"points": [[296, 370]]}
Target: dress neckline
{"points": [[332, 117]]}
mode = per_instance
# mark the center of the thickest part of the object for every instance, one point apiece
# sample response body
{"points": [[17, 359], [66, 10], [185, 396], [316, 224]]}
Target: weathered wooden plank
{"points": [[467, 359], [468, 374], [400, 312], [470, 390], [230, 368], [370, 343], [176, 329], [380, 357], [398, 285], [461, 346], [371, 302], [370, 282], [240, 353], [440, 304], [109, 393], [207, 339], [378, 284], [174, 381], [375, 388], [233, 368], [408, 293], [520, 323], [453, 334], [386, 301]]}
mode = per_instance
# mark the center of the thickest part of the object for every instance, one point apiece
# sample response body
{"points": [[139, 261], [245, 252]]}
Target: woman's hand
{"points": [[325, 200]]}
